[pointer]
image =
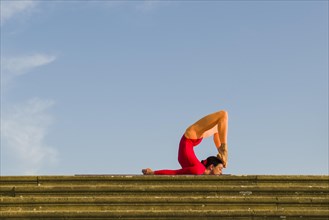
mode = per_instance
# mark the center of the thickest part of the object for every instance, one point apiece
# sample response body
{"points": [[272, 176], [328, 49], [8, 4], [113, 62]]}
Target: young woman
{"points": [[214, 125]]}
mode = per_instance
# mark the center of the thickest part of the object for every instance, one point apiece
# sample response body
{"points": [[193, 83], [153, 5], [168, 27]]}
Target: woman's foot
{"points": [[222, 154]]}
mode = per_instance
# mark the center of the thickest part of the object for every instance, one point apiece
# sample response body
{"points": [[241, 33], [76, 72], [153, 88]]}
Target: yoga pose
{"points": [[214, 125]]}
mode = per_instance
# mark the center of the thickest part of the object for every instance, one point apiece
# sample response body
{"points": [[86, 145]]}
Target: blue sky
{"points": [[109, 87]]}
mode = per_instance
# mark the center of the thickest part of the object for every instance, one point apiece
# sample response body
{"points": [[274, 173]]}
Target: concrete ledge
{"points": [[168, 214], [164, 197]]}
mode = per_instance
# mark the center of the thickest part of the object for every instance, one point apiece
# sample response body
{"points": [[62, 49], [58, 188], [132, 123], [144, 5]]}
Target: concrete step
{"points": [[169, 204], [197, 190], [161, 203], [149, 199], [164, 197], [152, 180], [169, 214]]}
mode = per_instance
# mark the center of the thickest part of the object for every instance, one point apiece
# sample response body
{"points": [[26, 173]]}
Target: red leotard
{"points": [[187, 159]]}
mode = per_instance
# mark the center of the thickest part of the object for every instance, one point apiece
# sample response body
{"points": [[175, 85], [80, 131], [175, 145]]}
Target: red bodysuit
{"points": [[187, 159]]}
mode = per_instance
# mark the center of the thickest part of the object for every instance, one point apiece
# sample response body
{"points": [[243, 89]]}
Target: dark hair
{"points": [[211, 160]]}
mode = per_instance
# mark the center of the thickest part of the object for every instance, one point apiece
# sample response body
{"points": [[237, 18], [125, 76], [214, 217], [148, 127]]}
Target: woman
{"points": [[214, 125]]}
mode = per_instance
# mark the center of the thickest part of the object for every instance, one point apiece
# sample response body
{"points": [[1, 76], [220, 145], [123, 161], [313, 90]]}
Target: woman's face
{"points": [[217, 170]]}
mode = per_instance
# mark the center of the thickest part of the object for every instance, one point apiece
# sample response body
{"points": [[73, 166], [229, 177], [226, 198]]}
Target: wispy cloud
{"points": [[23, 129], [11, 8], [148, 5], [22, 64], [13, 67], [24, 125], [141, 6]]}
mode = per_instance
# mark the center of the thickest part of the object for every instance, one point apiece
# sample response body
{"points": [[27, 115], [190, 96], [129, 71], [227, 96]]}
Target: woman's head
{"points": [[213, 165]]}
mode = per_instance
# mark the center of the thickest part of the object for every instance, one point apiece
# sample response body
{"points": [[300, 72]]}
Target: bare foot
{"points": [[147, 171], [222, 154]]}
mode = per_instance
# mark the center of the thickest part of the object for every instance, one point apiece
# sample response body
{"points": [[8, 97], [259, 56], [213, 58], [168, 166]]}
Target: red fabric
{"points": [[187, 159]]}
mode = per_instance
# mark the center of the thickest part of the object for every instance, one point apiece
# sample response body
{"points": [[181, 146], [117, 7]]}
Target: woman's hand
{"points": [[147, 171]]}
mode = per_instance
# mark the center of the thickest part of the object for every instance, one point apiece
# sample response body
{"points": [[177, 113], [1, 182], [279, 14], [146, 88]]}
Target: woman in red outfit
{"points": [[214, 125]]}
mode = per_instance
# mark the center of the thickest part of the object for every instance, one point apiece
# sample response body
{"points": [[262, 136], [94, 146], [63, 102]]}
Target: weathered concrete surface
{"points": [[164, 197]]}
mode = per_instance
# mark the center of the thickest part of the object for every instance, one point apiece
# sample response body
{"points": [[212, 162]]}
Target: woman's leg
{"points": [[207, 123], [186, 155], [211, 124], [222, 127]]}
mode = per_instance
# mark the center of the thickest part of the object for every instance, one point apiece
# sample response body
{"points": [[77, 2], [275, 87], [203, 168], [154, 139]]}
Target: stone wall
{"points": [[164, 197]]}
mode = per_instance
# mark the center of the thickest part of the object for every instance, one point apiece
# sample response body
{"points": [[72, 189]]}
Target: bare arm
{"points": [[194, 170]]}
